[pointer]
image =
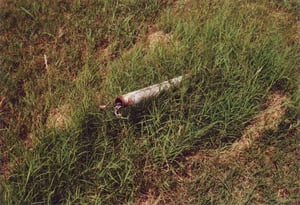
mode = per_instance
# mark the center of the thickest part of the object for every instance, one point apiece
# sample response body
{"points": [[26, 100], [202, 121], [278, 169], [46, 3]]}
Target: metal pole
{"points": [[137, 96]]}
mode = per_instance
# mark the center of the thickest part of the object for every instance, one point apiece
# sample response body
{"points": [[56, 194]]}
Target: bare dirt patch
{"points": [[149, 199], [157, 38], [105, 52], [2, 3], [182, 5], [296, 35], [267, 119], [59, 117]]}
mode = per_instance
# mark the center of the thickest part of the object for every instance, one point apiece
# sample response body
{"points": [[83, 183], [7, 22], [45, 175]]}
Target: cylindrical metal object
{"points": [[137, 96]]}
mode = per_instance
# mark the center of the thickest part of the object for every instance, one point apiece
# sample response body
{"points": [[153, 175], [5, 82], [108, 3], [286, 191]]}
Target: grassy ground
{"points": [[61, 60]]}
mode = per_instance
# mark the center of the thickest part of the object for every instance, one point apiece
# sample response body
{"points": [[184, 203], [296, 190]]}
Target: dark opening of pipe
{"points": [[119, 101]]}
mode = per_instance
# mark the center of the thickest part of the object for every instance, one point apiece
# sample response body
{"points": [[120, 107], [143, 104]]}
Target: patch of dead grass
{"points": [[59, 118], [267, 119], [2, 102], [296, 35], [149, 198], [157, 38], [2, 3]]}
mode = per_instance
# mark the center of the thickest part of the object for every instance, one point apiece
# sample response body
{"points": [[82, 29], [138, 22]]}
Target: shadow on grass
{"points": [[68, 164]]}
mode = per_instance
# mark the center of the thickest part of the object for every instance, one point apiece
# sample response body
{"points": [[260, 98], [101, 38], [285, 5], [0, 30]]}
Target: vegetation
{"points": [[63, 59]]}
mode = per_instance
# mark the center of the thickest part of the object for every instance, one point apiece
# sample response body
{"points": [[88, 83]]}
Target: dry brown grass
{"points": [[158, 38], [267, 119], [59, 118], [3, 160]]}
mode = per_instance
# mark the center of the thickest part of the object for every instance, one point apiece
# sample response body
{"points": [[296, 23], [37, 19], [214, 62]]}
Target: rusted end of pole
{"points": [[121, 101]]}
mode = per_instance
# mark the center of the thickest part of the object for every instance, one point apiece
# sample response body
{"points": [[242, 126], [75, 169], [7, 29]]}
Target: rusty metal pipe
{"points": [[137, 96]]}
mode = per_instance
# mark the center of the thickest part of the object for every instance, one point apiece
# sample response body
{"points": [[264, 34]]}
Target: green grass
{"points": [[236, 53]]}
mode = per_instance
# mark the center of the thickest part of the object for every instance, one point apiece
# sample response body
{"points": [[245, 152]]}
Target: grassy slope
{"points": [[236, 54]]}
